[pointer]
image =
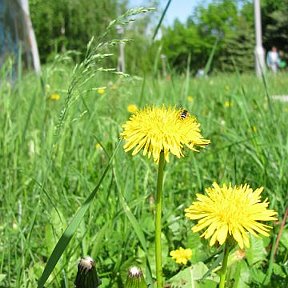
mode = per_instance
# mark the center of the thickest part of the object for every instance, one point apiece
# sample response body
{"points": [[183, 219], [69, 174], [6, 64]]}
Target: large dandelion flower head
{"points": [[167, 129], [230, 212]]}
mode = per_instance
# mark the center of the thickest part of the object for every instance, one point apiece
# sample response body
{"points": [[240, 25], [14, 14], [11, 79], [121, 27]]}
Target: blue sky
{"points": [[180, 9]]}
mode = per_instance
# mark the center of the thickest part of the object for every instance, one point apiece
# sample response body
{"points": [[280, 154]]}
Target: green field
{"points": [[53, 153]]}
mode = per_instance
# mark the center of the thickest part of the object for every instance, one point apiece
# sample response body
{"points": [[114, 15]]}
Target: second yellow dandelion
{"points": [[230, 212]]}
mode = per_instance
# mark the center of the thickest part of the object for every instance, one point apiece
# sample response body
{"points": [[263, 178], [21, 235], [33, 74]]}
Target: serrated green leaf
{"points": [[257, 275], [55, 228], [207, 284], [239, 271], [188, 277], [278, 270], [256, 253], [2, 276], [284, 238]]}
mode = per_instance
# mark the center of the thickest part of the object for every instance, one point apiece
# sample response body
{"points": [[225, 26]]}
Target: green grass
{"points": [[50, 165]]}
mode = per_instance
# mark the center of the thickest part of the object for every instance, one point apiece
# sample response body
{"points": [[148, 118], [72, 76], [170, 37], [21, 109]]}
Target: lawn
{"points": [[58, 132]]}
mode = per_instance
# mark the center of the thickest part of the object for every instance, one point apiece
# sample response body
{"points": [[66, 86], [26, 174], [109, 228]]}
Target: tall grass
{"points": [[46, 173]]}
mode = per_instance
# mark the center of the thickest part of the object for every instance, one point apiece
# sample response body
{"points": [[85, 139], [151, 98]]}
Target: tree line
{"points": [[223, 29]]}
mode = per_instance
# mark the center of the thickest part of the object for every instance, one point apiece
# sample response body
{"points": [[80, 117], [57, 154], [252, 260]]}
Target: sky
{"points": [[180, 9]]}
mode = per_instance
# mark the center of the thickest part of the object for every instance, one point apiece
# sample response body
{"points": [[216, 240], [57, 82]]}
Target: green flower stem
{"points": [[158, 218], [223, 271]]}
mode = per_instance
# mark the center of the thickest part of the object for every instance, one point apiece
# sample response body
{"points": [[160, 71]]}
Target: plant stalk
{"points": [[223, 271], [158, 220]]}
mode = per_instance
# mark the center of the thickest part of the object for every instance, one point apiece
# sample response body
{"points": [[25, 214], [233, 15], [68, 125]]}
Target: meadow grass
{"points": [[51, 163]]}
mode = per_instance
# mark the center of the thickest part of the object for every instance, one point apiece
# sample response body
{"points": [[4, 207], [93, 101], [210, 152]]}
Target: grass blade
{"points": [[161, 19], [137, 228], [70, 230], [209, 62]]}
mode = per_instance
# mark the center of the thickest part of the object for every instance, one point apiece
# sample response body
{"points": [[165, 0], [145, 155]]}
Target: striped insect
{"points": [[184, 114]]}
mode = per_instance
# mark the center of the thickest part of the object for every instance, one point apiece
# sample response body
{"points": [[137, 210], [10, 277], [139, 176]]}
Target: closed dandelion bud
{"points": [[135, 278], [87, 276]]}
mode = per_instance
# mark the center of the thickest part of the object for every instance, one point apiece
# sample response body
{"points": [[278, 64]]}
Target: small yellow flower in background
{"points": [[230, 212], [254, 129], [132, 108], [101, 90], [228, 104], [156, 129], [181, 256], [55, 97], [98, 146], [190, 99]]}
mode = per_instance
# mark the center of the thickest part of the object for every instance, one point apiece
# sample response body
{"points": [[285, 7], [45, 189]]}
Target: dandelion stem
{"points": [[158, 227], [223, 271]]}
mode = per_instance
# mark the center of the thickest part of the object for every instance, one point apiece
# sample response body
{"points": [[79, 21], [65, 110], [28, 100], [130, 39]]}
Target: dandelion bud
{"points": [[87, 276], [135, 278]]}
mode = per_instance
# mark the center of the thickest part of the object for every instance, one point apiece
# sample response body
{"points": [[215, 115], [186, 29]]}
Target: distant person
{"points": [[273, 59]]}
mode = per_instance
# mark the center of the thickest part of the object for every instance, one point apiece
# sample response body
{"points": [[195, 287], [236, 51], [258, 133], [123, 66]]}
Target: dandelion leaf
{"points": [[191, 277]]}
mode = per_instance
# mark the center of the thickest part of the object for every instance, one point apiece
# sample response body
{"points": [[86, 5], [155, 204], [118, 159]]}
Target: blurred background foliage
{"points": [[69, 24]]}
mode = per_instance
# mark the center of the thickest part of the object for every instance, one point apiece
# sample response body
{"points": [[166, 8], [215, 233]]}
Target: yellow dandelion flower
{"points": [[230, 212], [228, 104], [166, 129], [55, 97], [101, 90], [181, 256], [190, 99], [132, 108]]}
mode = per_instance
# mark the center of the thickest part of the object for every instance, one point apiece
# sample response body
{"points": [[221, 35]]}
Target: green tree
{"points": [[238, 49], [275, 23], [182, 40], [220, 20], [69, 24]]}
